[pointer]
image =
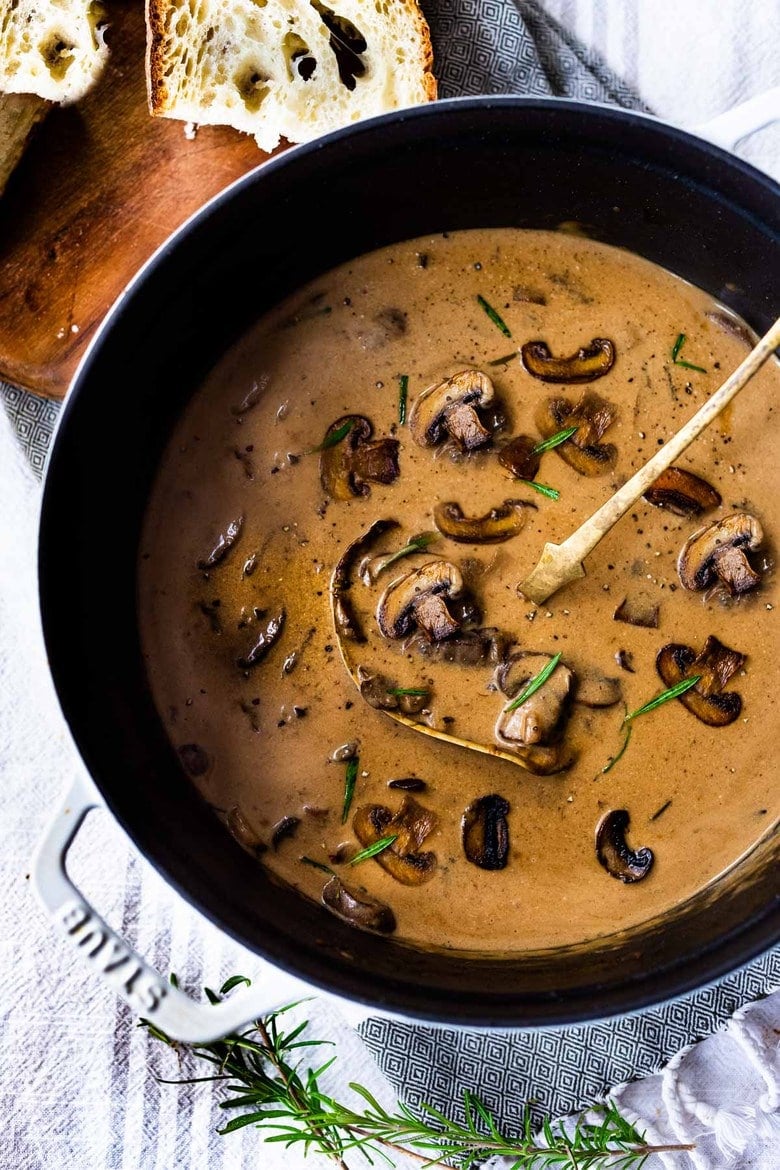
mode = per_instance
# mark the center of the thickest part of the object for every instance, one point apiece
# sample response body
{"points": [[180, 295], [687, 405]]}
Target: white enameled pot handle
{"points": [[731, 127], [109, 956]]}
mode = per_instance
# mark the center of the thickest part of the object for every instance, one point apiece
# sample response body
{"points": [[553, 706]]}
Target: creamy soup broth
{"points": [[698, 796]]}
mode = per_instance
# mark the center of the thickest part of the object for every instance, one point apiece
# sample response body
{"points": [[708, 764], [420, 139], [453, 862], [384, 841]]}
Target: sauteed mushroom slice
{"points": [[621, 862], [347, 464], [265, 640], [592, 416], [224, 543], [682, 492], [520, 457], [499, 524], [485, 832], [239, 828], [638, 611], [588, 363], [715, 665], [379, 693], [411, 825], [718, 553], [533, 728], [420, 599], [466, 648], [451, 408], [346, 622], [357, 908]]}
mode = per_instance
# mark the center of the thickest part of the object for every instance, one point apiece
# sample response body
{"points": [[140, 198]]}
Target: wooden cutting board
{"points": [[101, 185]]}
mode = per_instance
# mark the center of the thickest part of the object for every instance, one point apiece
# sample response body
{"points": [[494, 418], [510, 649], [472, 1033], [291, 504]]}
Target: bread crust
{"points": [[165, 99]]}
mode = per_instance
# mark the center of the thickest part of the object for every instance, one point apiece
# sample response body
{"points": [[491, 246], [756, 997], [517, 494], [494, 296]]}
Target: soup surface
{"points": [[260, 494]]}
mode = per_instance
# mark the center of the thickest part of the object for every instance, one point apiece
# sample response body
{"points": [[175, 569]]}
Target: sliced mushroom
{"points": [[520, 457], [267, 638], [719, 553], [486, 832], [242, 831], [345, 620], [594, 689], [731, 323], [638, 611], [614, 854], [408, 784], [411, 825], [715, 665], [382, 695], [357, 908], [420, 599], [588, 363], [451, 408], [495, 526], [534, 728], [682, 492], [583, 451], [624, 659], [466, 648], [348, 464], [283, 829], [224, 543]]}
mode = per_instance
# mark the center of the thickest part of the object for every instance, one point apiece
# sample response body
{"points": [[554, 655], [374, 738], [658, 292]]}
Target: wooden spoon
{"points": [[560, 564]]}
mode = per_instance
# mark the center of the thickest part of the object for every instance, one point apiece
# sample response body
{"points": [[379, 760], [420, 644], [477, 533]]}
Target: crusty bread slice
{"points": [[52, 48], [289, 69]]}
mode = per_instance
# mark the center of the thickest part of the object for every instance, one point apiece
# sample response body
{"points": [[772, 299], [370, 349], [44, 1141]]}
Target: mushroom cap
{"points": [[583, 451], [485, 832], [419, 598], [715, 665], [682, 492], [585, 365], [538, 719], [614, 854], [348, 463], [450, 406], [499, 524], [719, 552], [358, 909], [410, 826]]}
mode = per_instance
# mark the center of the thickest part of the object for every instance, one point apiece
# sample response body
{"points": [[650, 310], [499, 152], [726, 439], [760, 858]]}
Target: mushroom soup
{"points": [[329, 568]]}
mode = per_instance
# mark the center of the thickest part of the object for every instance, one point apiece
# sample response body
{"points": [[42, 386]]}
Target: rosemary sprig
{"points": [[543, 490], [611, 763], [316, 864], [554, 440], [494, 317], [672, 693], [536, 682], [268, 1079], [678, 361], [422, 692], [349, 786], [403, 394], [372, 850], [331, 440], [417, 544]]}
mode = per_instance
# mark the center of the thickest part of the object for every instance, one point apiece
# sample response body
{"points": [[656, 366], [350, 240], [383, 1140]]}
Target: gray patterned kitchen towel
{"points": [[502, 46]]}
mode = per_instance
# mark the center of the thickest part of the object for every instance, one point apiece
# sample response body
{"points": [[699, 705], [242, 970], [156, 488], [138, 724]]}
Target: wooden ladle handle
{"points": [[562, 563]]}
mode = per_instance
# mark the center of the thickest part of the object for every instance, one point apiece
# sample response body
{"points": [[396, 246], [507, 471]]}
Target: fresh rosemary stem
{"points": [[281, 1096]]}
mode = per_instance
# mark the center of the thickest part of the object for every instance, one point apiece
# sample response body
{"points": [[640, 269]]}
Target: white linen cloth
{"points": [[77, 1078]]}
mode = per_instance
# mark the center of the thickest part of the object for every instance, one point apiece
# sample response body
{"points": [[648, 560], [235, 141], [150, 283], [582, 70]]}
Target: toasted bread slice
{"points": [[289, 69], [52, 48]]}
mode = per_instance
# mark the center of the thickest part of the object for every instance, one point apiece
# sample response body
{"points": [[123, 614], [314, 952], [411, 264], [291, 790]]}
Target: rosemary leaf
{"points": [[331, 440], [536, 682], [494, 317], [672, 693], [316, 864], [423, 692], [554, 440], [543, 490], [609, 766], [349, 787], [372, 850], [403, 394], [417, 544], [678, 361]]}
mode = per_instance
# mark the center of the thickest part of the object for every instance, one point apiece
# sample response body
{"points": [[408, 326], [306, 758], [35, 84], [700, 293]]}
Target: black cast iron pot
{"points": [[470, 163]]}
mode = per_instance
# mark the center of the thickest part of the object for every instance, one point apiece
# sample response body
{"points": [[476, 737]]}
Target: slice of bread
{"points": [[289, 69], [20, 113], [52, 48]]}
